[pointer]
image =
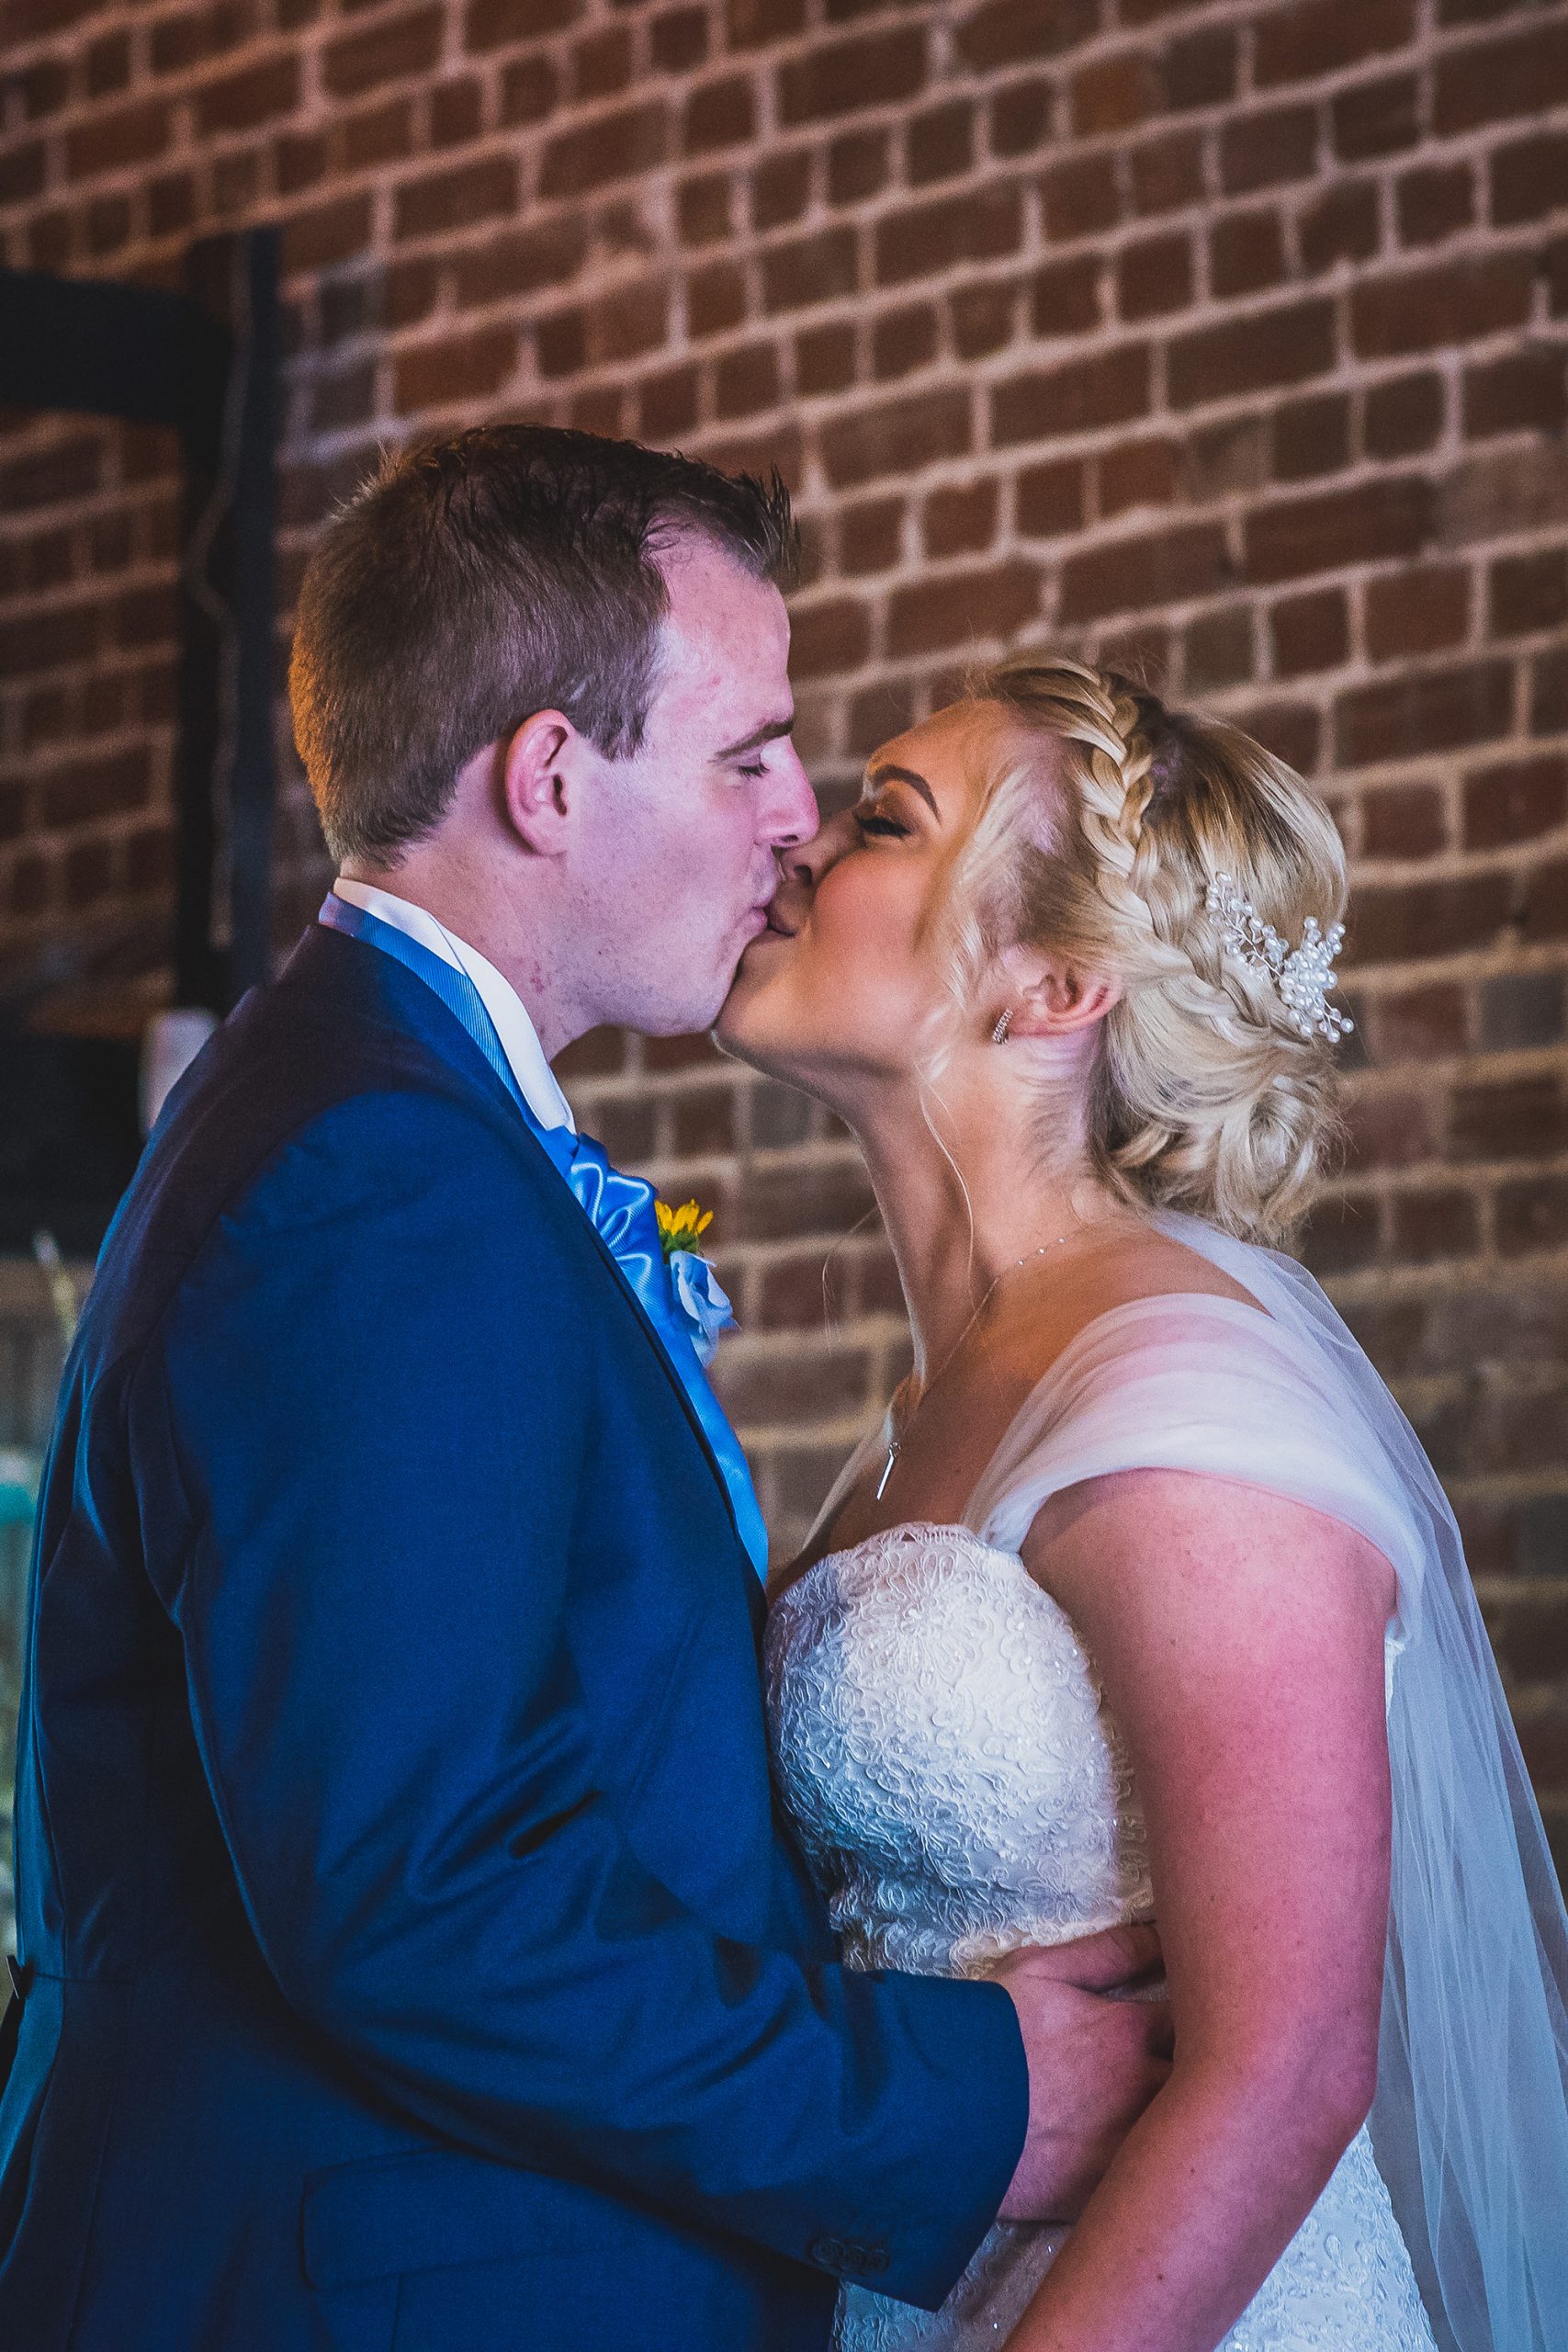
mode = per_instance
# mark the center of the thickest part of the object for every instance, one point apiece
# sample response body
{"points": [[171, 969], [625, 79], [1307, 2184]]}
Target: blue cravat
{"points": [[619, 1207]]}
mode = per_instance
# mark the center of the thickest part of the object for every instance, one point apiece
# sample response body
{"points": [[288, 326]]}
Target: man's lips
{"points": [[766, 922], [782, 911]]}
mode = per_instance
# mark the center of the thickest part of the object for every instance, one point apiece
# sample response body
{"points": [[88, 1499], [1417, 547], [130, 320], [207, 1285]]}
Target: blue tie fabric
{"points": [[620, 1207]]}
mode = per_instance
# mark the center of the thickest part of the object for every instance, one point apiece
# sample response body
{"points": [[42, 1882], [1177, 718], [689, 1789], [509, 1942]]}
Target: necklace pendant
{"points": [[895, 1445]]}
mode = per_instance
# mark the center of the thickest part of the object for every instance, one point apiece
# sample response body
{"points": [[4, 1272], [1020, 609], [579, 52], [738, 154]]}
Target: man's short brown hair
{"points": [[475, 580]]}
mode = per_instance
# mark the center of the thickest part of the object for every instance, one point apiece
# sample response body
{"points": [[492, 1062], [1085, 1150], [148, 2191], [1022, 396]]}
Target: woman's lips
{"points": [[769, 920]]}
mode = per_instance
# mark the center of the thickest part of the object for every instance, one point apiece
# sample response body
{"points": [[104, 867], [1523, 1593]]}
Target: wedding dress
{"points": [[959, 1788]]}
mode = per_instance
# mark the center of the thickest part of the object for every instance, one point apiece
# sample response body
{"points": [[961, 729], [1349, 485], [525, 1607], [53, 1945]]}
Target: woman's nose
{"points": [[812, 859]]}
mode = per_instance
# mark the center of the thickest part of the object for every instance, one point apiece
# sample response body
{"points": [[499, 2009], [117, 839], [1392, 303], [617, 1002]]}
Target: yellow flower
{"points": [[680, 1228]]}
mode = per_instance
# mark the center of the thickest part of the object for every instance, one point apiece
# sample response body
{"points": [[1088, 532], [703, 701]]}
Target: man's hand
{"points": [[1094, 2063]]}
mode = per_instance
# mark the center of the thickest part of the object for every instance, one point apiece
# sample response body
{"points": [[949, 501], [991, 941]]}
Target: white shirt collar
{"points": [[519, 1038]]}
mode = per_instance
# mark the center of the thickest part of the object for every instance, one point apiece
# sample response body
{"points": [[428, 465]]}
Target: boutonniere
{"points": [[702, 1303]]}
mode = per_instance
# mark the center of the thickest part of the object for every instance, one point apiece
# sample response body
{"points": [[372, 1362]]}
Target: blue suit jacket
{"points": [[414, 1955]]}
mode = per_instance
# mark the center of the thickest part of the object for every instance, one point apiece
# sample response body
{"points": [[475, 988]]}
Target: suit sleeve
{"points": [[380, 1422]]}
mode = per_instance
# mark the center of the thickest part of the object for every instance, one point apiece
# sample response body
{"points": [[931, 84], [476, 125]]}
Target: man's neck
{"points": [[518, 946]]}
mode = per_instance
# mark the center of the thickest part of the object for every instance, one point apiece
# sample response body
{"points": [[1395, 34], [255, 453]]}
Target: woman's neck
{"points": [[959, 1219]]}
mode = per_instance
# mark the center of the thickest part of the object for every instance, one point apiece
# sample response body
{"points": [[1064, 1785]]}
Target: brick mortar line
{"points": [[857, 1335], [1480, 1265], [1113, 39], [1318, 689], [1457, 863], [1396, 976], [1435, 466], [1154, 332], [1500, 1486], [904, 669], [1440, 1281], [527, 143], [1019, 176], [1505, 1064], [1351, 373], [1498, 1591], [981, 376], [1545, 959], [835, 769], [531, 141], [1205, 211], [984, 374], [1490, 1386], [529, 310]]}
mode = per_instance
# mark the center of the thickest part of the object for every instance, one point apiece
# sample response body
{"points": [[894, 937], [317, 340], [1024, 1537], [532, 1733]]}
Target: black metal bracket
{"points": [[204, 361]]}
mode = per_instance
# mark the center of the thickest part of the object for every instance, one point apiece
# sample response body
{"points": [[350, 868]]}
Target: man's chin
{"points": [[729, 1021], [738, 1028], [696, 1018], [715, 1010]]}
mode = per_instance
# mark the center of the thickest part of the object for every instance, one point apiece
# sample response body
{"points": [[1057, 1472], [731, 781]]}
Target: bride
{"points": [[1145, 1598]]}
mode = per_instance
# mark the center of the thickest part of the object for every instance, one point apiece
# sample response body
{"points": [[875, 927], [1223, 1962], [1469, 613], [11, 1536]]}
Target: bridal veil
{"points": [[1470, 2120]]}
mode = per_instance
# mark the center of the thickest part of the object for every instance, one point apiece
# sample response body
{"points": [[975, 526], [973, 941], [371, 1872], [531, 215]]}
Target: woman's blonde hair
{"points": [[1206, 1095]]}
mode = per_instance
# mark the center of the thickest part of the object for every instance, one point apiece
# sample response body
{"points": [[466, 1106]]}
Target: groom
{"points": [[410, 1953]]}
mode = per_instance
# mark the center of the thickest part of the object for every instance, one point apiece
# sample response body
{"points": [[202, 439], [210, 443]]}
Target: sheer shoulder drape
{"points": [[1471, 2120]]}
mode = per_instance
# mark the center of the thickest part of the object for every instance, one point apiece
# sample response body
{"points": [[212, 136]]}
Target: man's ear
{"points": [[1054, 999], [536, 768]]}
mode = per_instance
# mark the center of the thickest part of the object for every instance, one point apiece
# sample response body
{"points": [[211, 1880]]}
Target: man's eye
{"points": [[760, 769], [869, 822]]}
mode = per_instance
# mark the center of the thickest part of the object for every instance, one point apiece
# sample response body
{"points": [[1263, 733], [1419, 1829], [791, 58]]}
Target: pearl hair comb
{"points": [[1302, 974]]}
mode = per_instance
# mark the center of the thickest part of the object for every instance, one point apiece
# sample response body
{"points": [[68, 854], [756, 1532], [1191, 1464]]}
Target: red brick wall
{"points": [[1229, 337]]}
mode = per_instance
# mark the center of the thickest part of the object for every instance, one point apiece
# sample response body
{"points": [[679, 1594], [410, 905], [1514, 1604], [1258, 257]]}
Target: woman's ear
{"points": [[1050, 998], [536, 764]]}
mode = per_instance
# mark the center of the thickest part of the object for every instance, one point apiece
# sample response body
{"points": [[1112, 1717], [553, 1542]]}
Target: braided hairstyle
{"points": [[1206, 1097]]}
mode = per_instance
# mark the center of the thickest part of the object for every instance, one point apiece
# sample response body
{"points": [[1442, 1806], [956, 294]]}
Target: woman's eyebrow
{"points": [[887, 774]]}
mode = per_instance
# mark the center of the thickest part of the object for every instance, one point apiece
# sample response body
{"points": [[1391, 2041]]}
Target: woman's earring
{"points": [[999, 1034]]}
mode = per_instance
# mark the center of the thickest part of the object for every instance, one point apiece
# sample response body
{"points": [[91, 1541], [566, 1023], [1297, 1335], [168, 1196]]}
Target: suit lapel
{"points": [[387, 993]]}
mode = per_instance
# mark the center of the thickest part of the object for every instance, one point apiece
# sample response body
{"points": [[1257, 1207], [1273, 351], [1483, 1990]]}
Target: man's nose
{"points": [[788, 813], [806, 862]]}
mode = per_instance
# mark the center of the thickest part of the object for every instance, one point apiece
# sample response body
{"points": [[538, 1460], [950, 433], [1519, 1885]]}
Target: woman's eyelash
{"points": [[760, 769], [870, 822]]}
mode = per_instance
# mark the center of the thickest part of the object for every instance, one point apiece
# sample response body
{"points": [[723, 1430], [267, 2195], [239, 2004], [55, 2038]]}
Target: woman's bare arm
{"points": [[1240, 1642]]}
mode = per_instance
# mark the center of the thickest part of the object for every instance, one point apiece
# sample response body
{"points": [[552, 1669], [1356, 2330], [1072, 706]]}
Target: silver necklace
{"points": [[895, 1445]]}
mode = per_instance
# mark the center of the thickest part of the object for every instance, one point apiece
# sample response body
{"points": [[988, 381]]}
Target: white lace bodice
{"points": [[959, 1788], [945, 1755]]}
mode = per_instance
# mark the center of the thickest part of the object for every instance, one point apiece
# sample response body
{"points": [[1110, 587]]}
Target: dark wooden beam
{"points": [[253, 777], [224, 769], [203, 361], [100, 348]]}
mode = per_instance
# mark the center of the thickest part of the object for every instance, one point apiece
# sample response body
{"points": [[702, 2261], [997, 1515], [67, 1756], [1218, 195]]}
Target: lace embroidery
{"points": [[959, 1788]]}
